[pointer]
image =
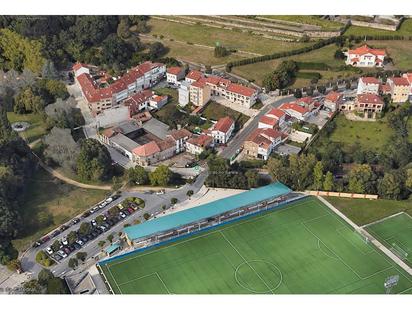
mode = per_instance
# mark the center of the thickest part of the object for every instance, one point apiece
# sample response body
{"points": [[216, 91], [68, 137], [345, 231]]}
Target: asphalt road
{"points": [[153, 206]]}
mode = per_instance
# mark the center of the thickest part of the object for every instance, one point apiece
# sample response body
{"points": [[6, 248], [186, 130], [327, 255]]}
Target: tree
{"points": [[14, 265], [117, 183], [252, 178], [189, 193], [94, 161], [43, 259], [73, 263], [49, 70], [56, 286], [61, 148], [81, 256], [390, 186], [101, 243], [156, 50], [72, 237], [221, 51], [28, 102], [85, 228], [110, 238], [408, 182], [328, 182], [318, 175], [173, 200], [56, 245], [63, 114], [44, 276], [100, 219], [361, 179], [161, 176], [146, 216], [32, 287], [339, 54], [116, 51], [123, 29]]}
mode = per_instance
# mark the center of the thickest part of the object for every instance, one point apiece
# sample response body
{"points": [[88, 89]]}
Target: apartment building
{"points": [[174, 75], [199, 92], [400, 89], [222, 130]]}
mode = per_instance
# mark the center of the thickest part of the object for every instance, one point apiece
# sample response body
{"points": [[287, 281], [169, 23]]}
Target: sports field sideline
{"points": [[395, 233], [301, 248]]}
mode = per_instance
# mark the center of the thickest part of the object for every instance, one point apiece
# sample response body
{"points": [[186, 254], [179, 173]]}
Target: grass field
{"points": [[37, 126], [302, 248], [215, 111], [201, 34], [48, 203], [399, 51], [369, 135], [308, 19], [395, 232], [363, 211]]}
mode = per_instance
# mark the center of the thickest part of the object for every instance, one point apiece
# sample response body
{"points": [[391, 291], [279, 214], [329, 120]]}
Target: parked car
{"points": [[55, 233], [122, 214], [76, 246], [80, 242], [103, 228], [62, 254], [86, 214], [65, 241], [57, 257], [115, 197], [109, 200], [45, 239], [75, 220], [94, 223], [102, 205], [37, 244], [49, 250], [66, 250], [84, 239], [63, 228], [96, 208]]}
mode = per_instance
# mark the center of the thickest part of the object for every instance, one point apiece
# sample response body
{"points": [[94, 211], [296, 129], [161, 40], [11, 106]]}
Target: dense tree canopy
{"points": [[94, 161]]}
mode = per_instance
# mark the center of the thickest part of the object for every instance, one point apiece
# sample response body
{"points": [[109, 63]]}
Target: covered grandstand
{"points": [[207, 215]]}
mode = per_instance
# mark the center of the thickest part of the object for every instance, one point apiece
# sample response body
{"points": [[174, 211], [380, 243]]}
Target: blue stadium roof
{"points": [[205, 211]]}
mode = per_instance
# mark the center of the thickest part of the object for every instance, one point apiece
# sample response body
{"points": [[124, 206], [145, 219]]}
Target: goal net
{"points": [[399, 251]]}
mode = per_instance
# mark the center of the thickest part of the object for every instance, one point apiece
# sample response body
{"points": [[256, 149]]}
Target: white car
{"points": [[62, 254], [49, 250], [109, 200], [122, 215], [102, 228], [95, 208], [94, 223], [102, 205], [65, 242], [81, 243]]}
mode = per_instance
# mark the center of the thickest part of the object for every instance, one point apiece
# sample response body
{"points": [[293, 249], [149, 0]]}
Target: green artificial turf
{"points": [[301, 248], [395, 232]]}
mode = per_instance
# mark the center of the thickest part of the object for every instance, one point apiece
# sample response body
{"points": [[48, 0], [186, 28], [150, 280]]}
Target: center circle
{"points": [[258, 276]]}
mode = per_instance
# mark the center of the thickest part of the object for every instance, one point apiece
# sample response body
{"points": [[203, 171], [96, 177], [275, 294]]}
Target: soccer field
{"points": [[395, 233], [301, 248]]}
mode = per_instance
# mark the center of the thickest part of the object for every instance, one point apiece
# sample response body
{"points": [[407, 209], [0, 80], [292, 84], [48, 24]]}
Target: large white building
{"points": [[222, 130], [368, 85]]}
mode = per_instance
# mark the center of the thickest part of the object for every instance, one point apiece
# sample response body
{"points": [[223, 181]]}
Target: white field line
{"points": [[251, 267], [377, 244], [384, 219], [164, 284], [135, 279], [110, 272], [262, 216]]}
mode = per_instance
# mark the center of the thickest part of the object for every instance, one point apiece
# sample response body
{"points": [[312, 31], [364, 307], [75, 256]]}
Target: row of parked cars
{"points": [[97, 228], [75, 221]]}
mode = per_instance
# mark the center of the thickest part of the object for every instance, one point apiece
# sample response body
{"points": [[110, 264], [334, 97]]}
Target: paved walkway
{"points": [[378, 244]]}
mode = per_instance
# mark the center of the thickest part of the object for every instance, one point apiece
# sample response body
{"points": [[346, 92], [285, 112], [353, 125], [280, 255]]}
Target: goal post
{"points": [[399, 251]]}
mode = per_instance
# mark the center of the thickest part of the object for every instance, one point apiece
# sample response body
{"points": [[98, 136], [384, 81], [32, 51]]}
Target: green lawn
{"points": [[363, 211], [303, 248], [215, 111], [201, 34], [399, 51], [48, 203], [257, 71], [370, 135], [396, 234], [308, 19], [405, 29], [37, 125]]}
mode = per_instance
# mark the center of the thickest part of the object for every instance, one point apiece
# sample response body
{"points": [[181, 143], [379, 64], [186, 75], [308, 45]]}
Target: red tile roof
{"points": [[147, 149], [365, 49], [195, 75], [174, 70], [305, 100], [180, 134], [400, 81], [240, 89], [385, 88], [333, 96], [268, 120], [276, 112], [369, 98], [263, 137], [295, 107], [370, 80], [78, 66], [199, 83], [224, 124], [200, 141]]}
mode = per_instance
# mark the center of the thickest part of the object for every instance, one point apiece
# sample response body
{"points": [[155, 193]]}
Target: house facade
{"points": [[274, 119], [222, 130], [333, 100], [296, 111], [199, 93], [365, 56], [261, 142], [369, 104], [196, 145], [400, 89], [174, 74], [368, 85]]}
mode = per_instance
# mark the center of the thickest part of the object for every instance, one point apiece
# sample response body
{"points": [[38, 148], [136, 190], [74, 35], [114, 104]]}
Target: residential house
{"points": [[199, 92], [332, 100], [369, 104], [261, 142], [196, 145], [184, 93], [296, 111], [368, 85], [222, 130], [307, 102], [158, 101], [274, 119], [139, 101], [174, 74], [193, 76], [400, 89], [180, 137], [80, 68], [365, 56], [408, 76]]}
